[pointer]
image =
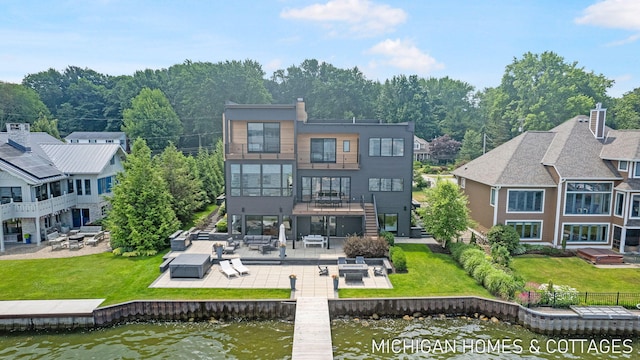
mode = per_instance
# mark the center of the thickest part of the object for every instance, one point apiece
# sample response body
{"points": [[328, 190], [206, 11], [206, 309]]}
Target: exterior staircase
{"points": [[370, 226]]}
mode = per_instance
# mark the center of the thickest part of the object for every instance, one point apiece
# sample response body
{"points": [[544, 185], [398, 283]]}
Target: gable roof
{"points": [[31, 167], [570, 148], [510, 163], [81, 158]]}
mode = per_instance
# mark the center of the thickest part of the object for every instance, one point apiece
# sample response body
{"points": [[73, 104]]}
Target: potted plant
{"points": [[27, 238], [218, 247], [336, 280], [283, 250], [292, 281]]}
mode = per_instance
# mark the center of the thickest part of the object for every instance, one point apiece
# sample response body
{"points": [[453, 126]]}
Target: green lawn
{"points": [[200, 215], [576, 273], [429, 275], [113, 278]]}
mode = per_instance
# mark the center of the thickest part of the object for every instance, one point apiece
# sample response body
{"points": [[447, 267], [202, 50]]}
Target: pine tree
{"points": [[141, 218]]}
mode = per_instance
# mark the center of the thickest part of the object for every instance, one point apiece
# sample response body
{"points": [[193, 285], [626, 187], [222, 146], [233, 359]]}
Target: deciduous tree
{"points": [[446, 215]]}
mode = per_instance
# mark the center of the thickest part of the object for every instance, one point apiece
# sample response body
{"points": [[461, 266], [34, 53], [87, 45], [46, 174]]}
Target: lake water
{"points": [[381, 339]]}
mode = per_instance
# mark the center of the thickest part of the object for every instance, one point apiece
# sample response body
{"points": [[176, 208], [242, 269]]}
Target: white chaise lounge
{"points": [[239, 266], [227, 269]]}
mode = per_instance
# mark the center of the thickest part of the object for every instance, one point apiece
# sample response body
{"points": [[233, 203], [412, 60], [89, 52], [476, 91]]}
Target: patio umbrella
{"points": [[282, 237]]}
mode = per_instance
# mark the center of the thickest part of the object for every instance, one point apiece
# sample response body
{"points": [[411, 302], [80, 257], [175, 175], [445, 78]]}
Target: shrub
{"points": [[481, 271], [392, 249], [365, 246], [504, 235], [221, 226], [399, 260], [388, 237], [456, 249], [468, 253], [500, 255], [472, 260], [500, 283], [558, 295]]}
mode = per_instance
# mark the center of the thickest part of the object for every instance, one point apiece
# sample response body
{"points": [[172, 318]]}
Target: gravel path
{"points": [[33, 251]]}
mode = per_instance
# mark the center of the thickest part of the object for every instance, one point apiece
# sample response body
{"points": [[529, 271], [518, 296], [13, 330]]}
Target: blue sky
{"points": [[468, 40]]}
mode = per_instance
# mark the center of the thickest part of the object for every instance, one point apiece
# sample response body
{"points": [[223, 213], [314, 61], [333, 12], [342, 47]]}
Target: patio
{"points": [[266, 271]]}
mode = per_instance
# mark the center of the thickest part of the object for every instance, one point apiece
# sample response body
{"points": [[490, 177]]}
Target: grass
{"points": [[420, 196], [198, 216], [576, 273], [116, 279], [429, 275]]}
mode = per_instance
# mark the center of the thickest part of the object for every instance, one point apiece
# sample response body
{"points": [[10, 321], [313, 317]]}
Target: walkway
{"points": [[36, 308], [312, 331]]}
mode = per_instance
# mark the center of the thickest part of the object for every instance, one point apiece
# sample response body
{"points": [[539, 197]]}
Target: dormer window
{"points": [[623, 165]]}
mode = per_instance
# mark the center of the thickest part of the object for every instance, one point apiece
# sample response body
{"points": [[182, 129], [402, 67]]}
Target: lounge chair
{"points": [[324, 271], [342, 260], [225, 268], [239, 266], [360, 260], [379, 271]]}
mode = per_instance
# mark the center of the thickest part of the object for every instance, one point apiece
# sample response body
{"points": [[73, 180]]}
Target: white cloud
{"points": [[357, 17], [617, 14], [628, 40], [403, 54]]}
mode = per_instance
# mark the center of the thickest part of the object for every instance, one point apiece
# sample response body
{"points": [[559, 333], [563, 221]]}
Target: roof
{"points": [[30, 166], [81, 158], [102, 135], [575, 152], [621, 145], [511, 163], [570, 148]]}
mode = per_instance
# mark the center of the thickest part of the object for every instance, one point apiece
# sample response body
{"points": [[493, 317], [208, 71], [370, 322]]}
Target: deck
{"points": [[601, 256]]}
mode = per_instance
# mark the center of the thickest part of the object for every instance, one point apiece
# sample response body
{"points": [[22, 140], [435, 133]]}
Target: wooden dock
{"points": [[312, 331]]}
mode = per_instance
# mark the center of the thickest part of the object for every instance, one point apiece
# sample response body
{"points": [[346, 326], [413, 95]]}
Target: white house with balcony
{"points": [[48, 185]]}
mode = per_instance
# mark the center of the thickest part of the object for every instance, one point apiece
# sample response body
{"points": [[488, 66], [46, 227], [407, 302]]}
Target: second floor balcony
{"points": [[33, 209], [238, 151]]}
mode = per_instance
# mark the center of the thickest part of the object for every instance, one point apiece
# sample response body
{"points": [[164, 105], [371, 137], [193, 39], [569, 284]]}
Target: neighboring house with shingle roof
{"points": [[578, 182], [46, 184], [421, 149]]}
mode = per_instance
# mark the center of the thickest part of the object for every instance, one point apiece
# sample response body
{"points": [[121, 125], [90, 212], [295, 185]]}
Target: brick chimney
{"points": [[596, 121], [19, 136]]}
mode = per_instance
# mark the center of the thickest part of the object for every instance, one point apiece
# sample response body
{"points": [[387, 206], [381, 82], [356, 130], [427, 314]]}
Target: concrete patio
{"points": [[301, 261]]}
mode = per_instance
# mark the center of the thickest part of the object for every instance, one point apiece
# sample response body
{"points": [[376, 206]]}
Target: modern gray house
{"points": [[321, 177]]}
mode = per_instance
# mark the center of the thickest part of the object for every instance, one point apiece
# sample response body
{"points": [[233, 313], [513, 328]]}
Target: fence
{"points": [[565, 299]]}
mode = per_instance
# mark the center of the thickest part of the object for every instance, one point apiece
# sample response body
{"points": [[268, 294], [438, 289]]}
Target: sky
{"points": [[467, 40]]}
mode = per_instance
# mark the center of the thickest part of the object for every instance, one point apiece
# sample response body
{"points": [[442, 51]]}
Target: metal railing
{"points": [[566, 299]]}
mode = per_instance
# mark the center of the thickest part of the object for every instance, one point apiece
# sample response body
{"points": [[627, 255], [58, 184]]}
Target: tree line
{"points": [[183, 104]]}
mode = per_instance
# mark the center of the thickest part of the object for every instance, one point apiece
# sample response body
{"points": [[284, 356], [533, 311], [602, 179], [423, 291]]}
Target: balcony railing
{"points": [[240, 151], [32, 209]]}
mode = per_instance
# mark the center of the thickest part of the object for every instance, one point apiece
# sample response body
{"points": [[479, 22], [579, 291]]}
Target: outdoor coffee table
{"points": [[345, 268]]}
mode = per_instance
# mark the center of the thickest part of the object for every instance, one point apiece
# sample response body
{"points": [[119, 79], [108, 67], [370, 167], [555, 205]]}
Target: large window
{"points": [[313, 185], [588, 198], [263, 137], [388, 222], [386, 147], [261, 179], [10, 193], [323, 150], [528, 230], [525, 200], [262, 225], [105, 184], [586, 232], [385, 184]]}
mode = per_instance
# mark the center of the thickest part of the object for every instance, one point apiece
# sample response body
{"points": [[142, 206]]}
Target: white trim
{"points": [[608, 236], [527, 190], [611, 199], [615, 203], [528, 221], [626, 169], [495, 208]]}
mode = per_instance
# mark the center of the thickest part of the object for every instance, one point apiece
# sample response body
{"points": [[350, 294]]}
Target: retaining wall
{"points": [[549, 322]]}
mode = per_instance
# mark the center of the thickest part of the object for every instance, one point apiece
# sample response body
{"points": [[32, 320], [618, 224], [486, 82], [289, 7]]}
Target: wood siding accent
{"points": [[238, 143], [344, 160]]}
